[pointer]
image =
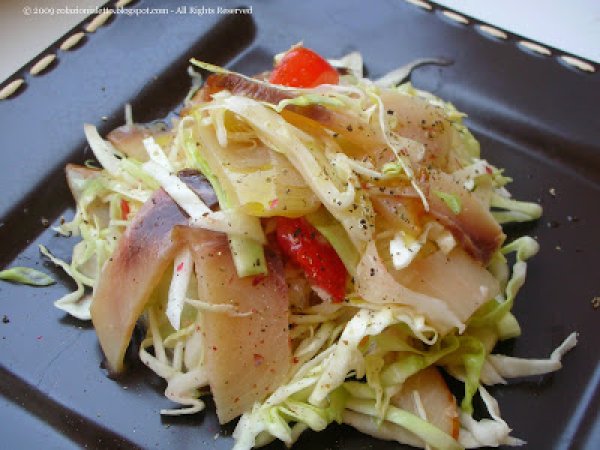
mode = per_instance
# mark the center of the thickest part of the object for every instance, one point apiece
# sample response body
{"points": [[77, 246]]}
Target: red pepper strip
{"points": [[301, 67], [305, 246], [124, 209]]}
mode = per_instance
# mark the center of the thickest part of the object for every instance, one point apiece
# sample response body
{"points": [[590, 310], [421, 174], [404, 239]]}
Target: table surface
{"points": [[572, 26], [27, 27]]}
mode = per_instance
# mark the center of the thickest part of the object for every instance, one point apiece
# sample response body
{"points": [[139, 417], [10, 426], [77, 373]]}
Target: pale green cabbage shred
{"points": [[352, 357]]}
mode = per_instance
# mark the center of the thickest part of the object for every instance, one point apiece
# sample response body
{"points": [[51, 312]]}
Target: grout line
{"points": [[573, 62]]}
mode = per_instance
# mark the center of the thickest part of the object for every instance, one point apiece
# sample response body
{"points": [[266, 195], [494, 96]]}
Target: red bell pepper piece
{"points": [[305, 246]]}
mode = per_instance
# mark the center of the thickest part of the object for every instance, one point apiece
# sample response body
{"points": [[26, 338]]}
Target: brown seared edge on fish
{"points": [[200, 185], [257, 90], [416, 119], [474, 226], [143, 253], [238, 85]]}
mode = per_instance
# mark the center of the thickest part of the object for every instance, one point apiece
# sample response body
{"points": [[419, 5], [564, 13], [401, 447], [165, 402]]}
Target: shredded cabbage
{"points": [[357, 170], [512, 367], [248, 254], [423, 429], [514, 210], [26, 275], [486, 432], [182, 274], [452, 201], [75, 303], [352, 61], [400, 74], [404, 248], [302, 151], [310, 99]]}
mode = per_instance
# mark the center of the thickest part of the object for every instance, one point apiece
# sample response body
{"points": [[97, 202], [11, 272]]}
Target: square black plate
{"points": [[534, 116]]}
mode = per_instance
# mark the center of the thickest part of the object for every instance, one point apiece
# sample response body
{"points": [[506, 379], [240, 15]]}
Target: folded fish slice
{"points": [[247, 356], [143, 253]]}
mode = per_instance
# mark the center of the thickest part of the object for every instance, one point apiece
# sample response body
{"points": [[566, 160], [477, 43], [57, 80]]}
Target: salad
{"points": [[307, 246]]}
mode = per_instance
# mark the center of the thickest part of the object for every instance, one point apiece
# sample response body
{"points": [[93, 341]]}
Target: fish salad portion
{"points": [[307, 246]]}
